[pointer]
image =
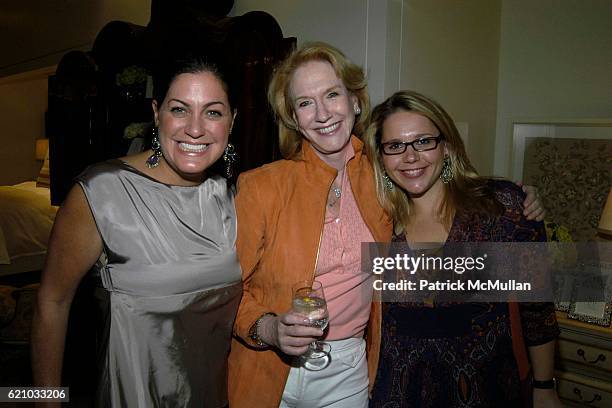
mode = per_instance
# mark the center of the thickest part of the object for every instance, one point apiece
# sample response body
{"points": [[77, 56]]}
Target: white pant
{"points": [[344, 383]]}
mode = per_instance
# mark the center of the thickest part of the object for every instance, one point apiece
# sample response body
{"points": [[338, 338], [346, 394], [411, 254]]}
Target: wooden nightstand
{"points": [[584, 364]]}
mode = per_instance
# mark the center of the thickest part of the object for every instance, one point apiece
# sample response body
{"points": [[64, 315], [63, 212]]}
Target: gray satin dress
{"points": [[171, 287]]}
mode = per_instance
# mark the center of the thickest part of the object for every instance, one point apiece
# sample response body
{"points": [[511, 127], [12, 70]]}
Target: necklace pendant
{"points": [[337, 192]]}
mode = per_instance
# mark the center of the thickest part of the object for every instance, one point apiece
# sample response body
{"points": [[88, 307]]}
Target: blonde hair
{"points": [[466, 191], [352, 76]]}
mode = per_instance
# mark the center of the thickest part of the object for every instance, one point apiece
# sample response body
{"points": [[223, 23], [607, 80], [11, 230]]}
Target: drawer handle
{"points": [[599, 358], [596, 398]]}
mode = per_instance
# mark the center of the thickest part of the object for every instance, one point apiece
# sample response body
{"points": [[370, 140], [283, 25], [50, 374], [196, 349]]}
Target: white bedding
{"points": [[26, 218]]}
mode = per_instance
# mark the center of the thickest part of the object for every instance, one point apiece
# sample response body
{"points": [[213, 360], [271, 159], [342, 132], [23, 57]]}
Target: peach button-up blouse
{"points": [[347, 289]]}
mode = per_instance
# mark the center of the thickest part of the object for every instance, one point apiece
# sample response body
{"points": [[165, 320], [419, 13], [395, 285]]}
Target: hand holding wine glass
{"points": [[309, 301], [291, 332]]}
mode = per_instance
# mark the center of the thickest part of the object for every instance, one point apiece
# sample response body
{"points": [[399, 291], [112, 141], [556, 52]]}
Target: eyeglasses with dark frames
{"points": [[422, 144]]}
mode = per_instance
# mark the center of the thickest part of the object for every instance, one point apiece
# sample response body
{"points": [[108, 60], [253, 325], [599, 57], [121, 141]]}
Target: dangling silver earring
{"points": [[229, 157], [154, 159], [447, 172], [389, 186], [357, 109]]}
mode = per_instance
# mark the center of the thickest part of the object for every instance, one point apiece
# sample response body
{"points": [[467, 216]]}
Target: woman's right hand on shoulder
{"points": [[289, 332]]}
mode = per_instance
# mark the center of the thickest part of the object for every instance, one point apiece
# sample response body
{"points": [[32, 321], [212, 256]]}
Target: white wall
{"points": [[36, 34], [449, 52], [357, 27], [441, 47], [338, 22], [23, 102], [555, 63], [492, 62]]}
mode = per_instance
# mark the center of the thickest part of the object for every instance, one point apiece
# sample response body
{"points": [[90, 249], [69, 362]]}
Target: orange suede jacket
{"points": [[281, 209]]}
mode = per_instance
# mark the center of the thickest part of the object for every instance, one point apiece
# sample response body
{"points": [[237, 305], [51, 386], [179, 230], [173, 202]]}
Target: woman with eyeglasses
{"points": [[441, 353]]}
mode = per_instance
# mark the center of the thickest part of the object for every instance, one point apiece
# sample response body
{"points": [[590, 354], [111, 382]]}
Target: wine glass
{"points": [[309, 301]]}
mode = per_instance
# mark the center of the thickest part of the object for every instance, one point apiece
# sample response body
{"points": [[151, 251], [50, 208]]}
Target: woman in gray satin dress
{"points": [[158, 232]]}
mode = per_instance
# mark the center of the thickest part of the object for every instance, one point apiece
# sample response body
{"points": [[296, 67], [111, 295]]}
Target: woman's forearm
{"points": [[543, 360], [48, 336]]}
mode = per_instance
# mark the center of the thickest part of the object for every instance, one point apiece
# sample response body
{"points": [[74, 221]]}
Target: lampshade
{"points": [[605, 222], [42, 145]]}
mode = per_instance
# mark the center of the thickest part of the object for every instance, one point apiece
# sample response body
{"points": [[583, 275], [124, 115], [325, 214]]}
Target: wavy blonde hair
{"points": [[352, 76], [467, 191]]}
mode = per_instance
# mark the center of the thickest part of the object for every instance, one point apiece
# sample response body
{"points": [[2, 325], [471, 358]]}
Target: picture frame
{"points": [[597, 312], [564, 293], [568, 161], [523, 130]]}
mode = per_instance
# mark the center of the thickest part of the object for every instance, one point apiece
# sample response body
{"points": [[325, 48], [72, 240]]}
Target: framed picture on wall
{"points": [[569, 163]]}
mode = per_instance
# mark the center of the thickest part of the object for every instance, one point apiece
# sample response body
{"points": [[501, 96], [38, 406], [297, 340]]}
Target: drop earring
{"points": [[154, 159], [447, 171], [356, 109], [389, 186], [229, 157]]}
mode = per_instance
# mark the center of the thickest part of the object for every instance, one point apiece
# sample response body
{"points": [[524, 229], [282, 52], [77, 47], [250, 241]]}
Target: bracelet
{"points": [[254, 331], [544, 385]]}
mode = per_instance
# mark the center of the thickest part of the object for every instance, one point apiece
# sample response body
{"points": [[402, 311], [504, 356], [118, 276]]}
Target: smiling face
{"points": [[418, 173], [194, 122], [324, 109]]}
